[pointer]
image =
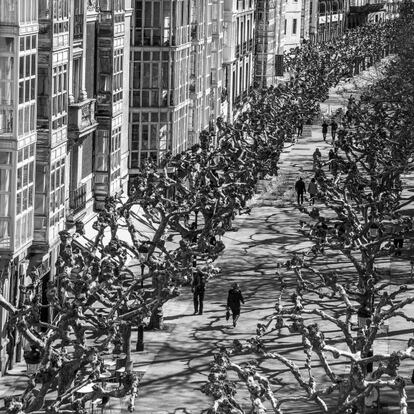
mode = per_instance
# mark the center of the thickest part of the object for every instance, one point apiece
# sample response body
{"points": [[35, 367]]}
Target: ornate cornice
{"points": [[92, 6]]}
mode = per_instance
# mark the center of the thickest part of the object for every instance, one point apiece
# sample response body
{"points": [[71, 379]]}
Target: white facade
{"points": [[238, 52], [292, 24]]}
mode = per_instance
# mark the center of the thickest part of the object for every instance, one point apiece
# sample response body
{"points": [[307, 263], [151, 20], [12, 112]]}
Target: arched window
{"points": [[322, 8], [335, 7]]}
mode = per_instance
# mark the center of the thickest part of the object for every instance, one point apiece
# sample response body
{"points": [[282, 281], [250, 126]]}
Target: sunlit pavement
{"points": [[267, 236]]}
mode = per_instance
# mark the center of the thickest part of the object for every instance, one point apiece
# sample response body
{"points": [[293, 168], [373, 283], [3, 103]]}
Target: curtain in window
{"points": [[4, 179], [4, 233], [8, 11], [4, 205]]}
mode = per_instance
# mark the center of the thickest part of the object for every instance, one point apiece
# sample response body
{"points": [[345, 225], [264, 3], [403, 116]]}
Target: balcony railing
{"points": [[82, 118], [78, 199]]}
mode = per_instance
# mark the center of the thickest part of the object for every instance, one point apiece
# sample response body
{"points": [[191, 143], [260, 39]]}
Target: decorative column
{"points": [[83, 94], [71, 97]]}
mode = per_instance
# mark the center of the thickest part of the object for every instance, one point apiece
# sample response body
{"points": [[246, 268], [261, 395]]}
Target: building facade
{"points": [[160, 84], [238, 53], [265, 39], [19, 33], [64, 135], [372, 11], [293, 24], [365, 11], [206, 69], [176, 76], [112, 87], [329, 21], [392, 8]]}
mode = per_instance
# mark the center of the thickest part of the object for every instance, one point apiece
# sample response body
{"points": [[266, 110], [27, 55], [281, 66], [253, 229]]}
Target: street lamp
{"points": [[140, 338], [374, 230], [143, 257]]}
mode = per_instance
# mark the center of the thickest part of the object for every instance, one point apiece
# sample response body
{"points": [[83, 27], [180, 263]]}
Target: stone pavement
{"points": [[268, 235], [176, 360]]}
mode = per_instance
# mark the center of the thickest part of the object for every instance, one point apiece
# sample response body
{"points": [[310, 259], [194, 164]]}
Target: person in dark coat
{"points": [[331, 156], [316, 158], [334, 127], [324, 129], [300, 188], [313, 191], [198, 288], [299, 126], [234, 300]]}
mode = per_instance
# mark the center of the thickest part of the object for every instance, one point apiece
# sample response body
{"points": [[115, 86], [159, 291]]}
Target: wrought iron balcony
{"points": [[82, 118], [77, 200]]}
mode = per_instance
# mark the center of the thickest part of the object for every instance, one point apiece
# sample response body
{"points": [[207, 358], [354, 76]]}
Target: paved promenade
{"points": [[265, 237]]}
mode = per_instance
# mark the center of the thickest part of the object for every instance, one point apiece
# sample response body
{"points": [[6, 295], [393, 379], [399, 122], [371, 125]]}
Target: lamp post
{"points": [[140, 338], [143, 257], [374, 230]]}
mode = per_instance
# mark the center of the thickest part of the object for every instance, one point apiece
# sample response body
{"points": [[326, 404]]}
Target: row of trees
{"points": [[96, 298], [358, 222]]}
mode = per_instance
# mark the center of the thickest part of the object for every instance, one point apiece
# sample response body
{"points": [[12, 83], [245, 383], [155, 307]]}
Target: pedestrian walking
{"points": [[299, 126], [331, 157], [316, 158], [198, 288], [300, 188], [334, 128], [335, 163], [321, 232], [313, 191], [317, 154], [234, 301], [324, 129]]}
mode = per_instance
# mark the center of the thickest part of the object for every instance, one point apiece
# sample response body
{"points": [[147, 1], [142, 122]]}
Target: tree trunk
{"points": [[126, 346]]}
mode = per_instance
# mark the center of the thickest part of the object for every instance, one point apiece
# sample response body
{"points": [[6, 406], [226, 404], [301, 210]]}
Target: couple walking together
{"points": [[334, 128], [234, 298], [300, 188]]}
